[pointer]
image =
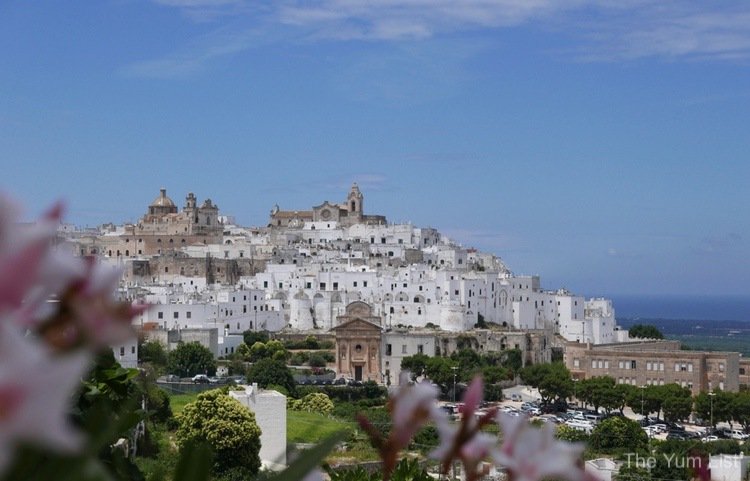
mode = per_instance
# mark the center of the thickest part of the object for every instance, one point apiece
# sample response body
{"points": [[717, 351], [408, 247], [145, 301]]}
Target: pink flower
{"points": [[412, 406], [35, 394], [100, 319], [23, 250], [532, 454], [465, 441]]}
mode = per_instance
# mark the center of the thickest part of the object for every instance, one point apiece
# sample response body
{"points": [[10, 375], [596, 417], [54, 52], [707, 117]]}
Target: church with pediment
{"points": [[358, 336]]}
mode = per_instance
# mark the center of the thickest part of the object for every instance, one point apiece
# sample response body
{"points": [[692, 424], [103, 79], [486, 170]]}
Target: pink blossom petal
{"points": [[473, 396]]}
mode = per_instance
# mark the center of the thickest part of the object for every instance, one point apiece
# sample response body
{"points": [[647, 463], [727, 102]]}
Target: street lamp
{"points": [[711, 397], [455, 369], [575, 391], [643, 414]]}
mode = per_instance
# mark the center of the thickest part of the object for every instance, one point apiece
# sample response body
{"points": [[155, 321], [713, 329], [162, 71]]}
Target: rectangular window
{"points": [[122, 351], [265, 284], [403, 348], [308, 285], [354, 283], [721, 368], [176, 315], [661, 366], [606, 364], [189, 314], [132, 349], [420, 349], [388, 349], [576, 363], [690, 367], [160, 315], [593, 364], [648, 366], [676, 367], [632, 365], [322, 286], [364, 283], [335, 286]]}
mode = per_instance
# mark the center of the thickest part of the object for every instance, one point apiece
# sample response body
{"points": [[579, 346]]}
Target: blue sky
{"points": [[603, 145]]}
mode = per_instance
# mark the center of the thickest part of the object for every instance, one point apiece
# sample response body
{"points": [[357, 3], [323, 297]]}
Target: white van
{"points": [[594, 418], [738, 435]]}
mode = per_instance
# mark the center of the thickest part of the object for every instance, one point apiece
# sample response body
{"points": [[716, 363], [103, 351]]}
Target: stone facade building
{"points": [[348, 213], [655, 363], [358, 341]]}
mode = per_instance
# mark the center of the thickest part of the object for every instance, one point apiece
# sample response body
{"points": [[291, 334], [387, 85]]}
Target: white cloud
{"points": [[601, 30]]}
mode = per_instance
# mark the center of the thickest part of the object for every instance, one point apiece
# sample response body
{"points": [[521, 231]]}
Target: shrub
{"points": [[227, 426], [314, 403]]}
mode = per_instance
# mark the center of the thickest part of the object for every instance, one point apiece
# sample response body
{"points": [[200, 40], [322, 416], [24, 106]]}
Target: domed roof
{"points": [[162, 200]]}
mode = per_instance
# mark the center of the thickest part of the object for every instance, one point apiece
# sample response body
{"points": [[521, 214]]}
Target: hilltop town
{"points": [[381, 291]]}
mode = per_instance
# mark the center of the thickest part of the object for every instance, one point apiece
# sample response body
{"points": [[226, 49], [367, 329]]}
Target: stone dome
{"points": [[162, 205], [162, 200]]}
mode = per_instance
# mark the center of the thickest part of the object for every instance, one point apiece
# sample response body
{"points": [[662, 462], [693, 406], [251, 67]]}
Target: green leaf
{"points": [[194, 464], [309, 460]]}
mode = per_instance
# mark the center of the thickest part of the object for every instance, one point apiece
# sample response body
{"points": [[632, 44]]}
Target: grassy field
{"points": [[178, 401], [304, 427]]}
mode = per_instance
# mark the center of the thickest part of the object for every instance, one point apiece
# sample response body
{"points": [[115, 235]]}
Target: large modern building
{"points": [[655, 363]]}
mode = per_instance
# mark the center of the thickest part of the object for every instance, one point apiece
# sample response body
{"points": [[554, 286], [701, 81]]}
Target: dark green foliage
{"points": [[551, 379], [191, 358], [722, 403], [406, 470], [415, 364], [618, 433], [426, 439], [317, 360], [645, 331], [267, 372], [153, 353], [566, 433], [251, 337], [374, 393]]}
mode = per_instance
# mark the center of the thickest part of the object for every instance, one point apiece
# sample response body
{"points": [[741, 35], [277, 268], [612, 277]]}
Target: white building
{"points": [[729, 467], [269, 408]]}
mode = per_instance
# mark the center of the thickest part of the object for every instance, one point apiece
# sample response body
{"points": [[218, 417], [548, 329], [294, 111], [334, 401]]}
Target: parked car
{"points": [[708, 439], [738, 435], [516, 397], [200, 379]]}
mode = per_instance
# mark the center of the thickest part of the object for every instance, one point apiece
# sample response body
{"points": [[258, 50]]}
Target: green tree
{"points": [[153, 352], [677, 402], [251, 337], [571, 435], [720, 406], [227, 426], [311, 343], [600, 391], [242, 352], [645, 331], [189, 359], [741, 408], [267, 372], [618, 432], [415, 364], [439, 370], [551, 379]]}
